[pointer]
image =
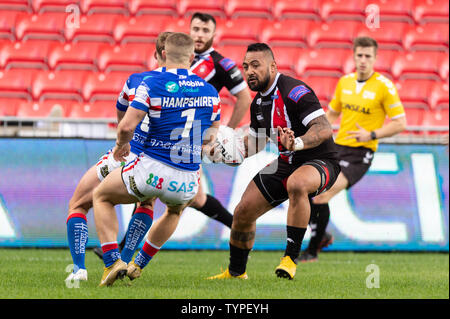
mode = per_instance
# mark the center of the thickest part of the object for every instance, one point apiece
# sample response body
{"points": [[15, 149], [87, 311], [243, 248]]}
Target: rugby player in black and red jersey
{"points": [[287, 111]]}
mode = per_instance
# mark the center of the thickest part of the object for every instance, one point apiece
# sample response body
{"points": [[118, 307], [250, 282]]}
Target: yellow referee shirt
{"points": [[366, 103]]}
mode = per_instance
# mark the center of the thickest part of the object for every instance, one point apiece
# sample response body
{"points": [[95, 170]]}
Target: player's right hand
{"points": [[121, 151]]}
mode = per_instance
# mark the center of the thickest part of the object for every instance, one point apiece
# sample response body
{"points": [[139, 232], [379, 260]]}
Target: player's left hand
{"points": [[121, 151], [361, 135], [287, 137]]}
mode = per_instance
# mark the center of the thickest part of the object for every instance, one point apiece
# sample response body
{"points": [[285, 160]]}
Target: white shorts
{"points": [[107, 164], [147, 178]]}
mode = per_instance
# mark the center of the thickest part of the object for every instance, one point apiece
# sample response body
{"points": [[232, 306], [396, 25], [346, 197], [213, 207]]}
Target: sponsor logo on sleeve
{"points": [[227, 64], [297, 92]]}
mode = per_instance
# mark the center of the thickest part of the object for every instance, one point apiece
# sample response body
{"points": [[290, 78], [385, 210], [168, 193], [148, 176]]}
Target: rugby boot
{"points": [[286, 268]]}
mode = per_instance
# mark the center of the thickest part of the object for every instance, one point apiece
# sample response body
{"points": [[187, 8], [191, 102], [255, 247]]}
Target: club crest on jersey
{"points": [[172, 87], [227, 64], [297, 92]]}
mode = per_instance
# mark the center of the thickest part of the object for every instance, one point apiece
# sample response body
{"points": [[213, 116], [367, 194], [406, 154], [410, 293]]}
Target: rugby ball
{"points": [[232, 145]]}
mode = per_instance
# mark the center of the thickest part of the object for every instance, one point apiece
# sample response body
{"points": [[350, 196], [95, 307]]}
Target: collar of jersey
{"points": [[206, 53], [272, 86], [178, 71]]}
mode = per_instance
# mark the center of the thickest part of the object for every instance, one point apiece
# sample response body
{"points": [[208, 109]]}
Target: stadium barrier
{"points": [[401, 204]]}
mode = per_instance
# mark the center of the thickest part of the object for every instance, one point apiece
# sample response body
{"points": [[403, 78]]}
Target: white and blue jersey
{"points": [[125, 99], [180, 106]]}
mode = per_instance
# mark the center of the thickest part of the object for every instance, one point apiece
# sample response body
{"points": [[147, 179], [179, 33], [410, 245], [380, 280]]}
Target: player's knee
{"points": [[296, 187], [242, 214], [198, 201], [98, 194]]}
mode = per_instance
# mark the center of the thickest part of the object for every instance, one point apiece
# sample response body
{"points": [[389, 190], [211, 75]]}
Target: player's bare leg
{"points": [[109, 193], [320, 215], [304, 181], [77, 228]]}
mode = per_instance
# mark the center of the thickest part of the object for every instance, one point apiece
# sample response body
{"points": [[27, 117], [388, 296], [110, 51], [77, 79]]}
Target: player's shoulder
{"points": [[292, 88], [224, 62], [202, 84], [137, 78], [383, 80]]}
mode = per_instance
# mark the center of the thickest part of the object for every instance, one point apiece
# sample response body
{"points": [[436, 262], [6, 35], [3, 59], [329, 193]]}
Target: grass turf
{"points": [[40, 273]]}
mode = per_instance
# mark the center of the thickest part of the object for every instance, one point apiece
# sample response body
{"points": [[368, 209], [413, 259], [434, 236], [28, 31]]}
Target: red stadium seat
{"points": [[131, 57], [104, 6], [188, 7], [8, 106], [57, 85], [234, 52], [331, 10], [16, 83], [98, 109], [415, 116], [178, 25], [158, 7], [48, 26], [443, 67], [420, 64], [286, 33], [339, 34], [439, 96], [40, 6], [323, 87], [254, 8], [414, 93], [29, 54], [437, 118], [241, 31], [425, 11], [7, 23], [97, 27], [389, 35], [394, 10], [139, 29], [100, 86], [286, 59], [81, 55], [432, 36], [297, 10], [323, 62], [226, 110], [19, 5], [42, 109]]}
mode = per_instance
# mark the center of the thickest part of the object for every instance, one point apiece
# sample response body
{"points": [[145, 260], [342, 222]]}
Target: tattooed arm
{"points": [[319, 130]]}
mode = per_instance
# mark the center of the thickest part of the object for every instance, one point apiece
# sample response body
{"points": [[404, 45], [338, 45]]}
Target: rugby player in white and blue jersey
{"points": [[81, 201], [181, 108]]}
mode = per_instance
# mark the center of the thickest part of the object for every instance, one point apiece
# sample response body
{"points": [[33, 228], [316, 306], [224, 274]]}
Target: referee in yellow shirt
{"points": [[364, 98]]}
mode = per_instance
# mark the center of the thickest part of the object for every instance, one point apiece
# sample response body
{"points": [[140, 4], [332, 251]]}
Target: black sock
{"points": [[238, 260], [322, 212], [294, 241], [214, 209], [122, 243]]}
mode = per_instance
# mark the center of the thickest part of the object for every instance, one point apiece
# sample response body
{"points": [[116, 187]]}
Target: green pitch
{"points": [[40, 273]]}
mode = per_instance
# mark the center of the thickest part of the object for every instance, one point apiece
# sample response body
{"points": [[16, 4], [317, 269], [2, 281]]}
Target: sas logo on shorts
{"points": [[297, 92], [172, 87]]}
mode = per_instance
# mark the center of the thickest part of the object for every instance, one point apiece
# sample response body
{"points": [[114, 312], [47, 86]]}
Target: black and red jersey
{"points": [[289, 103], [218, 71]]}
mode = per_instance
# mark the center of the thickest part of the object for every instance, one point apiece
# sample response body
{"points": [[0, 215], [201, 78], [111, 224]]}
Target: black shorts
{"points": [[271, 181], [354, 162]]}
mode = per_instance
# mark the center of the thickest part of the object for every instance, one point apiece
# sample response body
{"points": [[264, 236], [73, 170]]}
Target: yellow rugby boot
{"points": [[118, 270], [133, 270], [226, 275], [286, 268]]}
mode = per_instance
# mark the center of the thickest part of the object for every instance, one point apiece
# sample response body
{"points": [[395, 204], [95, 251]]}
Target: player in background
{"points": [[181, 108], [288, 112], [220, 72], [81, 201], [364, 98]]}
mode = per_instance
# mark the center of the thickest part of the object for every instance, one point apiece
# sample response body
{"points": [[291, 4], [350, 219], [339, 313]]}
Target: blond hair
{"points": [[179, 47]]}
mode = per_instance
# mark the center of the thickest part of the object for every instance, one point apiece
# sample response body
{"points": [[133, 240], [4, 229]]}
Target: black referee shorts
{"points": [[354, 162], [271, 181]]}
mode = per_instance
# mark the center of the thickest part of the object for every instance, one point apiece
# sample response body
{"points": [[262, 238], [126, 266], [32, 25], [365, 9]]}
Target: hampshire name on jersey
{"points": [[180, 106]]}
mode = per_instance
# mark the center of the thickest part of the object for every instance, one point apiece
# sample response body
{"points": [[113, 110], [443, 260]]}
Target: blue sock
{"points": [[139, 225], [77, 235], [146, 254], [110, 253]]}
